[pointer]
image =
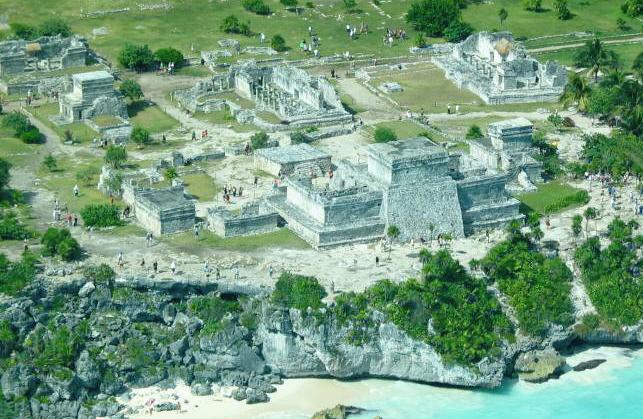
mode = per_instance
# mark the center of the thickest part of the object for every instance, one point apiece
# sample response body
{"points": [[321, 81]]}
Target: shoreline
{"points": [[302, 397]]}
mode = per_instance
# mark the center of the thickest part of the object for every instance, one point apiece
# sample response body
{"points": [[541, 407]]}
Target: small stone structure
{"points": [[46, 53], [297, 98], [413, 184], [300, 159], [163, 211], [499, 70], [508, 149], [255, 218], [93, 94]]}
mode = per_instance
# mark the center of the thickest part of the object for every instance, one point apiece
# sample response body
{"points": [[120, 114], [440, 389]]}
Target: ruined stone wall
{"points": [[224, 225], [166, 221]]}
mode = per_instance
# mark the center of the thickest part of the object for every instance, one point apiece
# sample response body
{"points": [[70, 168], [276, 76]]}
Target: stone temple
{"points": [[92, 95], [295, 97], [499, 70], [509, 149], [299, 158], [46, 53], [413, 184]]}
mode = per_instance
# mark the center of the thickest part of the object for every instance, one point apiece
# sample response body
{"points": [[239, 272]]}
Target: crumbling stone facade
{"points": [[297, 98], [508, 149], [499, 70], [46, 53], [92, 95], [301, 159], [163, 211], [255, 218]]}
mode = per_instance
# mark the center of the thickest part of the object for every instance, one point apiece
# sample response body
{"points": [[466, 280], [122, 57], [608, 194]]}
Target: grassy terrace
{"points": [[150, 117], [14, 150], [196, 23], [548, 196], [283, 238], [80, 131], [201, 185]]}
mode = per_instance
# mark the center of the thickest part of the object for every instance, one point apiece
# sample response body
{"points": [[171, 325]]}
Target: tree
{"points": [[50, 163], [632, 8], [23, 31], [169, 55], [115, 156], [170, 174], [278, 43], [555, 119], [577, 92], [562, 11], [594, 56], [474, 132], [256, 6], [384, 135], [54, 26], [577, 225], [231, 24], [637, 66], [433, 16], [136, 57], [621, 24], [5, 175], [131, 89], [590, 214], [101, 215], [141, 136], [350, 5], [259, 140], [457, 31], [533, 5], [60, 242], [420, 42], [289, 3], [392, 232], [503, 15], [299, 292]]}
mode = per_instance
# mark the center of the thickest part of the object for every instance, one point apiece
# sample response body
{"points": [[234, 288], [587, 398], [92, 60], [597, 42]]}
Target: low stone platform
{"points": [[296, 159]]}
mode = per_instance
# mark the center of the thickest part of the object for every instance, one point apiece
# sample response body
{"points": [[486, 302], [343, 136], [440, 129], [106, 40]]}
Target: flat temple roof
{"points": [[411, 148], [93, 75], [164, 198], [292, 154]]}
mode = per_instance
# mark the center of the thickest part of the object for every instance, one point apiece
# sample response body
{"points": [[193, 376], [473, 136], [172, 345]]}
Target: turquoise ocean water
{"points": [[610, 391]]}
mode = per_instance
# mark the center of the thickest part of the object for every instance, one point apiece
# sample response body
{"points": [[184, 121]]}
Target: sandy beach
{"points": [[300, 398]]}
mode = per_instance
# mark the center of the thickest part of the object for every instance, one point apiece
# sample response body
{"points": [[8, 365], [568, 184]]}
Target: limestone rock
{"points": [[540, 365], [86, 290], [87, 371], [338, 412], [18, 381], [255, 396], [201, 389], [166, 407], [588, 365]]}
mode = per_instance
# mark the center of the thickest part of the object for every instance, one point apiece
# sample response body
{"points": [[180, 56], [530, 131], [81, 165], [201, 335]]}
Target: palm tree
{"points": [[576, 92], [590, 214], [393, 232], [595, 56]]}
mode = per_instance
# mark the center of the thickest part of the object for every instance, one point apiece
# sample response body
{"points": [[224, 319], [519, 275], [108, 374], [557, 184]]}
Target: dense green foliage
{"points": [[101, 274], [53, 348], [278, 43], [8, 339], [141, 136], [5, 173], [384, 135], [562, 10], [231, 24], [298, 137], [457, 31], [11, 228], [256, 6], [59, 242], [538, 287], [14, 276], [608, 274], [433, 16], [618, 100], [446, 308], [617, 154], [100, 215], [50, 27], [115, 156], [297, 291], [212, 310], [136, 57], [533, 5], [131, 89], [632, 8], [547, 155], [596, 57], [169, 55], [259, 140], [474, 132], [22, 128]]}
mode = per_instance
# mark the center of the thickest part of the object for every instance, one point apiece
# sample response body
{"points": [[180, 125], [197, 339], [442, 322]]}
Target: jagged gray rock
{"points": [[18, 381], [87, 371], [201, 389]]}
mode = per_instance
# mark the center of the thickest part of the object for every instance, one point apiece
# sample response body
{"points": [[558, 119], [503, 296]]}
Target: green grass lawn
{"points": [[281, 239], [79, 130], [193, 71], [106, 120], [626, 52], [14, 150], [150, 117], [403, 129], [548, 194], [201, 185], [223, 118]]}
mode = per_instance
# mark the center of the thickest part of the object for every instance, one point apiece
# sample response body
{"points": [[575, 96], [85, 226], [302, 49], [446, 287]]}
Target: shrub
{"points": [[170, 173], [259, 140], [115, 156], [50, 163], [420, 42], [297, 291], [100, 215], [14, 276], [231, 24], [169, 55], [310, 5], [457, 31], [101, 274], [5, 174], [8, 339], [298, 137], [23, 31], [474, 132], [54, 26], [59, 242], [562, 11], [533, 5], [350, 5], [31, 136], [11, 228], [289, 3], [211, 310], [256, 6], [131, 89], [433, 16], [86, 175], [16, 121], [141, 136], [278, 43], [136, 57], [632, 8], [384, 135]]}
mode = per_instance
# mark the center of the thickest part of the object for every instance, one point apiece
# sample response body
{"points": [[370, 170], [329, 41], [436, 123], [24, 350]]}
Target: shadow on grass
{"points": [[134, 108]]}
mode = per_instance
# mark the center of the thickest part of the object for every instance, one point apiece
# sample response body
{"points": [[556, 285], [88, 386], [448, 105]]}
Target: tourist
{"points": [[240, 192], [76, 190], [448, 109], [173, 267], [119, 259], [457, 109], [262, 37], [196, 232], [256, 181], [155, 266], [377, 261], [218, 273], [25, 243], [310, 30], [206, 269], [270, 271], [193, 135], [75, 220], [142, 262], [236, 273]]}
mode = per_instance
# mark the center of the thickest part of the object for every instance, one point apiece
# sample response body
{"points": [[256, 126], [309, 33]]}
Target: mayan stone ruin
{"points": [[295, 97], [302, 159], [498, 69]]}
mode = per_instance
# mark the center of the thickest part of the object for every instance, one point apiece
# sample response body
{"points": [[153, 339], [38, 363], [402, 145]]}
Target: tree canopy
{"points": [[433, 16]]}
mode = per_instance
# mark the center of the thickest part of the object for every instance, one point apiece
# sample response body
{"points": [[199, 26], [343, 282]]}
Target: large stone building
{"points": [[413, 184], [92, 95], [297, 98], [499, 70], [508, 149], [299, 158], [46, 53], [161, 211]]}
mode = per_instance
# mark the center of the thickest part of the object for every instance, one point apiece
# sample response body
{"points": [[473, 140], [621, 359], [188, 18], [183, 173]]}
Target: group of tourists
{"points": [[353, 31], [169, 69], [391, 35], [204, 135], [231, 192]]}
